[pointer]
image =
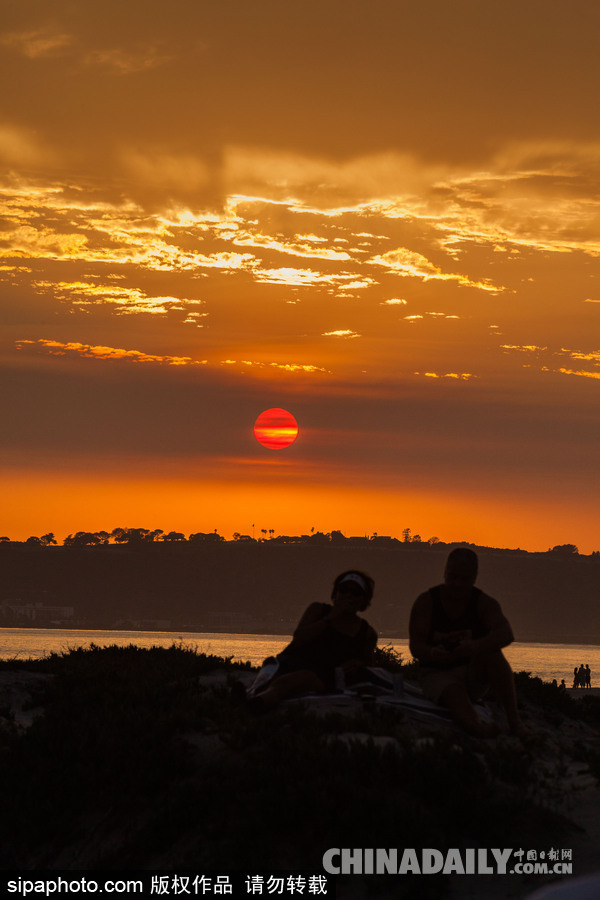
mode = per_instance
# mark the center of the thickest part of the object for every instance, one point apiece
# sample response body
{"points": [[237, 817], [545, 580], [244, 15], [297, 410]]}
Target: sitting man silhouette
{"points": [[457, 633], [328, 636]]}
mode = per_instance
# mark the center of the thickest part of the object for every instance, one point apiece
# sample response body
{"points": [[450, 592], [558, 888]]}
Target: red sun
{"points": [[276, 429]]}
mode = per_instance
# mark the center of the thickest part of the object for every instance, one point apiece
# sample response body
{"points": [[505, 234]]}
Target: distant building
{"points": [[230, 620], [16, 611], [132, 623]]}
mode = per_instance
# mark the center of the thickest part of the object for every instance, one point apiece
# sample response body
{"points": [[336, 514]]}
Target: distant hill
{"points": [[248, 586]]}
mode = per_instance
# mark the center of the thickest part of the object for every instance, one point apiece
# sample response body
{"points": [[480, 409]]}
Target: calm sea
{"points": [[547, 661]]}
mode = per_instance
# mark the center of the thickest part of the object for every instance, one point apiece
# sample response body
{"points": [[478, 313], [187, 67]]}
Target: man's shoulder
{"points": [[485, 600], [425, 599], [489, 609], [430, 593]]}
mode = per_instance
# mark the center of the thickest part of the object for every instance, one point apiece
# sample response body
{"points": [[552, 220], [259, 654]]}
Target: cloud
{"points": [[539, 196], [42, 243], [126, 61], [292, 248], [523, 348], [462, 376], [545, 357], [38, 43], [295, 368], [42, 220], [126, 300], [57, 348], [295, 176], [345, 333], [307, 277], [20, 146], [100, 352], [405, 262], [192, 319], [184, 172], [593, 356], [50, 43], [581, 373]]}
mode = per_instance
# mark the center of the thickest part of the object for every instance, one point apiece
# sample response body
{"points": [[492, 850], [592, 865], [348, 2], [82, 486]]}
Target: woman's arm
{"points": [[370, 644], [365, 658], [314, 621]]}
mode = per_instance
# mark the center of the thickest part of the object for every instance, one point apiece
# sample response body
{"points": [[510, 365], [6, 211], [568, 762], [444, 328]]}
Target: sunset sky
{"points": [[381, 216]]}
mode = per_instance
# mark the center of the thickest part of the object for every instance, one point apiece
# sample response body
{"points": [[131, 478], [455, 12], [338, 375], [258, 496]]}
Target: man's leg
{"points": [[498, 672], [456, 699]]}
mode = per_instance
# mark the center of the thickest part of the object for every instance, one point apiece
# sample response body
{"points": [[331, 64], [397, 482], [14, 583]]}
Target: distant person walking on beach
{"points": [[328, 636], [588, 676], [576, 677], [457, 633], [581, 676]]}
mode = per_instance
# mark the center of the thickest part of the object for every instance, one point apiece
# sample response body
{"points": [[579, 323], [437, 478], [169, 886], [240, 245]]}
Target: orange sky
{"points": [[380, 216]]}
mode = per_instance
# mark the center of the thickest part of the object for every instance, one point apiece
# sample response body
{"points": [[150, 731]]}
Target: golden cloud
{"points": [[292, 248], [306, 277], [284, 367], [593, 356], [127, 301], [42, 243], [580, 373], [407, 263], [57, 348], [523, 348], [457, 376], [345, 333], [586, 356]]}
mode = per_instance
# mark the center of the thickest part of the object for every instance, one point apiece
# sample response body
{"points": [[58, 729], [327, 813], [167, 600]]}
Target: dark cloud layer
{"points": [[90, 411], [442, 81]]}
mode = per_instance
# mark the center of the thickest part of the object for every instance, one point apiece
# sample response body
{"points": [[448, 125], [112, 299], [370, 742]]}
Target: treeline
{"points": [[116, 536], [263, 586], [133, 537]]}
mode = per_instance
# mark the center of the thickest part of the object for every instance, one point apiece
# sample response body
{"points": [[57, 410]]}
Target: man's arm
{"points": [[499, 633]]}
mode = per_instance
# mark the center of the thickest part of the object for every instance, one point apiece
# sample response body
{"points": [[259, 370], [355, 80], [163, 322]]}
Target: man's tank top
{"points": [[468, 622]]}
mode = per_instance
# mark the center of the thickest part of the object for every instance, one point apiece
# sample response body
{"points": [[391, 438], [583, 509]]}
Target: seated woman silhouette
{"points": [[328, 636]]}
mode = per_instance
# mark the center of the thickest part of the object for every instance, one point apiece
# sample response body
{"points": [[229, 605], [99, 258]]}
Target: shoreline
{"points": [[194, 629]]}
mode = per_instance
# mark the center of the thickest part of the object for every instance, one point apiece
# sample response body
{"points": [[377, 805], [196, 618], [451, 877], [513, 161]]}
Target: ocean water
{"points": [[547, 661]]}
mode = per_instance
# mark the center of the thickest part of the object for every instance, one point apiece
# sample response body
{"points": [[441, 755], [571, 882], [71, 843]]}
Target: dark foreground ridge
{"points": [[122, 758]]}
